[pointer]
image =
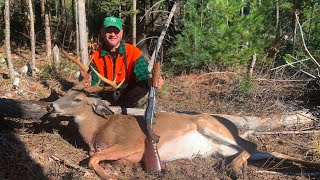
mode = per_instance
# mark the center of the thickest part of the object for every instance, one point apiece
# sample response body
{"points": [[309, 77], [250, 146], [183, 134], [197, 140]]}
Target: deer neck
{"points": [[89, 125]]}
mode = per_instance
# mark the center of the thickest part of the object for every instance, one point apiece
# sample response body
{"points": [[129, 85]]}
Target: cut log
{"points": [[27, 109]]}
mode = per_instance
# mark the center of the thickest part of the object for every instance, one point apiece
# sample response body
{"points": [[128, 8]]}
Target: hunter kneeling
{"points": [[122, 63]]}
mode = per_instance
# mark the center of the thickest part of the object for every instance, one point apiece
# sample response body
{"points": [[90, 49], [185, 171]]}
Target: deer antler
{"points": [[111, 83], [97, 88], [75, 60], [86, 77]]}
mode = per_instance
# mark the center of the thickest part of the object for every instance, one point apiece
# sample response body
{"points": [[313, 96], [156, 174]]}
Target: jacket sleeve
{"points": [[141, 72]]}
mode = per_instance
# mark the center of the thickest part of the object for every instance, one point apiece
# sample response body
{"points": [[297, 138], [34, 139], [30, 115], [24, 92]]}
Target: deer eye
{"points": [[77, 100]]}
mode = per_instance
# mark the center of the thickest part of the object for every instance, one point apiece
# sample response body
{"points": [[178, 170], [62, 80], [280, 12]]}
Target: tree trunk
{"points": [[46, 15], [56, 58], [24, 109], [32, 38], [294, 36], [75, 23], [7, 38], [83, 35], [27, 109], [277, 14], [311, 21], [134, 22]]}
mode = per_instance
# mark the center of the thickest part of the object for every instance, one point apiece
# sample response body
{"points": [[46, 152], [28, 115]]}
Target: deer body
{"points": [[185, 136], [121, 137], [182, 136]]}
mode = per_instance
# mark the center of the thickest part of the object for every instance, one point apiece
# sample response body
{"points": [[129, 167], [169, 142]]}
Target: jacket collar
{"points": [[122, 49]]}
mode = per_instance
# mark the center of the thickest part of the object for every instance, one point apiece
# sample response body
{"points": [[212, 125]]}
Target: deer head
{"points": [[78, 104]]}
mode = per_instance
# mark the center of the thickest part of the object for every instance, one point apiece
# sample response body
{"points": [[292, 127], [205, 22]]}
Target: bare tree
{"points": [[75, 23], [311, 20], [45, 13], [32, 38], [7, 38], [277, 13], [134, 22], [83, 35], [294, 33]]}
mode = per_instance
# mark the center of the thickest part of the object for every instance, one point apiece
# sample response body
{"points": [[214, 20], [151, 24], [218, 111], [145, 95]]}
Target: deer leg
{"points": [[239, 165], [116, 152]]}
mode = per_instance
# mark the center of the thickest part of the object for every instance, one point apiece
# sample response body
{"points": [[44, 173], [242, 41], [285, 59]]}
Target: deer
{"points": [[121, 138]]}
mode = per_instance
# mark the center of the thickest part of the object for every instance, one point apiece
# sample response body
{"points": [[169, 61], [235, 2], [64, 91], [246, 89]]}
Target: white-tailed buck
{"points": [[182, 136]]}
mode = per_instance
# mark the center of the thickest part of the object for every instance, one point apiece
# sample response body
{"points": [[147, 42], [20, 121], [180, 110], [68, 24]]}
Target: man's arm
{"points": [[142, 73], [143, 76]]}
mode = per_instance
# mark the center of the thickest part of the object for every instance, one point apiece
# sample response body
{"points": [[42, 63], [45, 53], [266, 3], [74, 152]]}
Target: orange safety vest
{"points": [[110, 70]]}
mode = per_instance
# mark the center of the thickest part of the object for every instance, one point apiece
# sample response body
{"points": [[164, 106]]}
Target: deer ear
{"points": [[100, 107]]}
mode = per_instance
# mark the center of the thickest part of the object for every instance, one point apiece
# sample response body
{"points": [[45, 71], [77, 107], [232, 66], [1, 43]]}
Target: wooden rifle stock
{"points": [[156, 74], [151, 157]]}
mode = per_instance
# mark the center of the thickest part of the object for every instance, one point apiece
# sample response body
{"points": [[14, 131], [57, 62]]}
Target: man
{"points": [[119, 61]]}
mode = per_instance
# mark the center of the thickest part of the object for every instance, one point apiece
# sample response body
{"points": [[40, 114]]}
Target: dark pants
{"points": [[131, 97]]}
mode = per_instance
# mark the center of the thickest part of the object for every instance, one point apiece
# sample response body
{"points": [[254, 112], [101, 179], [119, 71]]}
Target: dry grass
{"points": [[29, 150]]}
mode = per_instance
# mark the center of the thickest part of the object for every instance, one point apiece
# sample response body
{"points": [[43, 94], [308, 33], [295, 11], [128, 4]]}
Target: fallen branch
{"points": [[315, 174], [281, 80], [261, 155], [305, 72], [210, 73], [303, 42], [26, 109], [74, 166], [269, 172], [253, 62], [289, 64], [286, 132]]}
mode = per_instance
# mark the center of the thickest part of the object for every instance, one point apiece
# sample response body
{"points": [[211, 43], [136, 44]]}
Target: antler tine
{"points": [[111, 83], [97, 88], [88, 64], [77, 61]]}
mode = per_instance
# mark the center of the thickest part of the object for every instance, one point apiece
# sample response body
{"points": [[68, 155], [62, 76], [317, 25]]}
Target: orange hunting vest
{"points": [[110, 69]]}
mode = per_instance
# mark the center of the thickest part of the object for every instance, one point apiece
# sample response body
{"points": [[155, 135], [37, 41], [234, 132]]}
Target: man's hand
{"points": [[159, 83]]}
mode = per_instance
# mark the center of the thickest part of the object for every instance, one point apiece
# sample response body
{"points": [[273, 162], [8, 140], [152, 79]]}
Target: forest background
{"points": [[255, 58], [281, 36]]}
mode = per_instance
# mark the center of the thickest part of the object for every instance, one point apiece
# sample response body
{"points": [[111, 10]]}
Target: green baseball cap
{"points": [[112, 21]]}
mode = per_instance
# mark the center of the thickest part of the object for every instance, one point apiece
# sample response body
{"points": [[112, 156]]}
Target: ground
{"points": [[30, 149]]}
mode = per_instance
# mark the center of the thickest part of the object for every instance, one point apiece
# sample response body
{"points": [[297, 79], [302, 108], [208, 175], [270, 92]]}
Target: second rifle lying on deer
{"points": [[183, 136]]}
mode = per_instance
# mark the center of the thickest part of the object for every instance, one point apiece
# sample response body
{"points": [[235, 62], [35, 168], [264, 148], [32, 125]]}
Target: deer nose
{"points": [[50, 108]]}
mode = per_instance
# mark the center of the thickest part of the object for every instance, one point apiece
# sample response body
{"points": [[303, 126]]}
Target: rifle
{"points": [[151, 157]]}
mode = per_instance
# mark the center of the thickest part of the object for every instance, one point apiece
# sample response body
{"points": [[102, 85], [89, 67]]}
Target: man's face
{"points": [[112, 36]]}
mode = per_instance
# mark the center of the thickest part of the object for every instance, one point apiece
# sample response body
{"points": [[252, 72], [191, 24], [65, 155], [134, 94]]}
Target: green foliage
{"points": [[98, 10], [216, 34], [164, 90], [245, 85], [46, 72]]}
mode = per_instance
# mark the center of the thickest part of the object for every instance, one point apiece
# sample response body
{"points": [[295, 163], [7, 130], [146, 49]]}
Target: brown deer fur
{"points": [[121, 137], [182, 136]]}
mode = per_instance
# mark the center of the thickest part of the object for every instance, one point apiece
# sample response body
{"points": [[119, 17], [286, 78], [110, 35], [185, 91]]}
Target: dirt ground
{"points": [[30, 149]]}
